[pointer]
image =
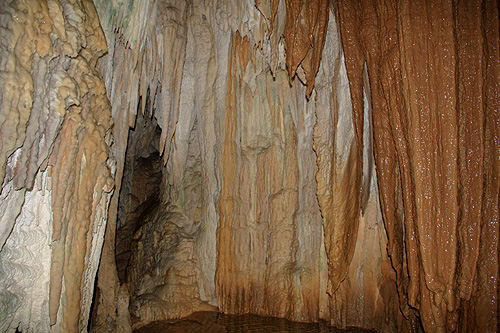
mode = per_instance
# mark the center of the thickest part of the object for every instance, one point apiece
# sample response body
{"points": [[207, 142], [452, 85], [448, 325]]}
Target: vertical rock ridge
{"points": [[260, 143], [485, 298], [340, 183]]}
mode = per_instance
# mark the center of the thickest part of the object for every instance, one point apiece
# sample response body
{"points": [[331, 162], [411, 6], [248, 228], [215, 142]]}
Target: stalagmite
{"points": [[309, 160]]}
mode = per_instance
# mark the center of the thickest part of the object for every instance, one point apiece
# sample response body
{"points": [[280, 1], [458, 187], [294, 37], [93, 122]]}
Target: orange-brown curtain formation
{"points": [[434, 78]]}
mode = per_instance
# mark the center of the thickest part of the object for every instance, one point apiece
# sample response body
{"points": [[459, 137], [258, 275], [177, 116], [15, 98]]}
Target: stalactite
{"points": [[268, 209], [305, 32], [484, 303], [252, 116], [341, 173], [471, 139], [226, 204], [421, 104], [387, 139]]}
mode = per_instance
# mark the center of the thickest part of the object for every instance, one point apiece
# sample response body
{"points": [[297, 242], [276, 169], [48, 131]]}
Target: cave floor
{"points": [[208, 322]]}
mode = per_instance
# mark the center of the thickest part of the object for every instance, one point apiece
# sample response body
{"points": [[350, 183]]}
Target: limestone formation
{"points": [[56, 124], [311, 160]]}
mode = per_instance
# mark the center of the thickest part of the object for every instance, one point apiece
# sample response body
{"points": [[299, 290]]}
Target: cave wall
{"points": [[56, 170], [329, 160], [263, 138]]}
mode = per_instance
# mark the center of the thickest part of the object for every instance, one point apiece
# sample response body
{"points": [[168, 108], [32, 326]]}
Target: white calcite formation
{"points": [[25, 263]]}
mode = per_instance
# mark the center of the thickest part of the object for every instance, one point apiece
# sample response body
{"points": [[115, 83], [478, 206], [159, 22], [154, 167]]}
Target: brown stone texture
{"points": [[260, 259], [435, 127], [305, 32]]}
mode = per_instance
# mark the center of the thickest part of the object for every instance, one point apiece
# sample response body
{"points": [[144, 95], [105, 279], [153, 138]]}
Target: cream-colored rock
{"points": [[11, 202], [25, 264], [55, 122], [163, 271]]}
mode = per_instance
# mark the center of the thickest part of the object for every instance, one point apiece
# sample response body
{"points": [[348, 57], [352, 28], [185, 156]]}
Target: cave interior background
{"points": [[334, 160]]}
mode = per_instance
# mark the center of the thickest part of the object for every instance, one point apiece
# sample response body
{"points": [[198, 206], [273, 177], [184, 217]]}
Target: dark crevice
{"points": [[142, 177]]}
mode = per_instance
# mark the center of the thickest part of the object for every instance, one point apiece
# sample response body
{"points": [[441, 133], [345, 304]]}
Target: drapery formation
{"points": [[434, 69], [262, 122]]}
